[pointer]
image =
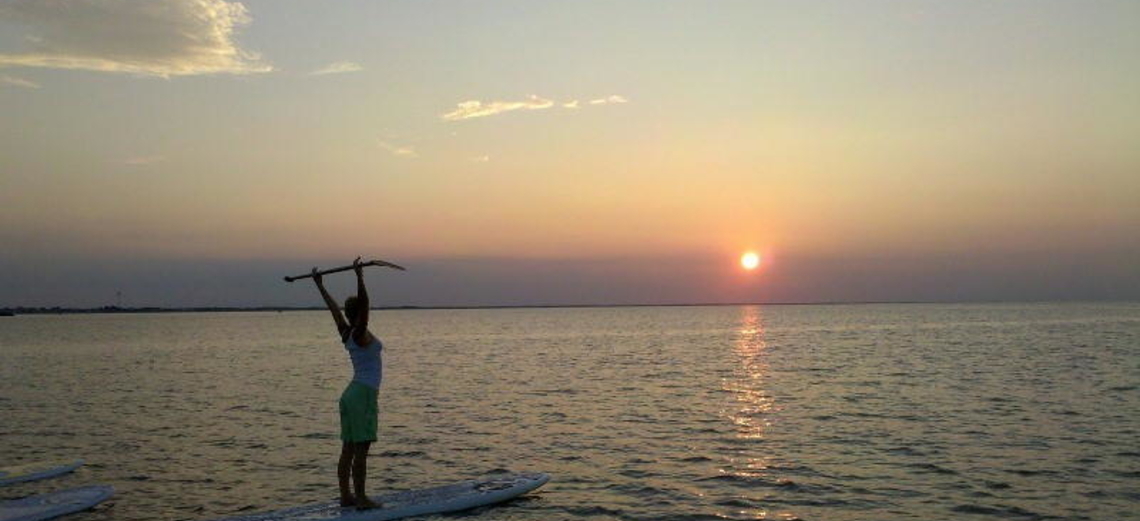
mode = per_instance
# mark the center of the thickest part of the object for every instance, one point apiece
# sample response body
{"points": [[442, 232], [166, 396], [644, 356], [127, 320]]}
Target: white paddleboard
{"points": [[55, 504], [34, 471], [448, 498]]}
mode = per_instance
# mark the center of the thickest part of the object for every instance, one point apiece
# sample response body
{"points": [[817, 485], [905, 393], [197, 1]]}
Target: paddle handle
{"points": [[375, 262]]}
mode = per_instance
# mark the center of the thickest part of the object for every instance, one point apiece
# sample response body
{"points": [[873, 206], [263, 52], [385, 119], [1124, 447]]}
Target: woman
{"points": [[358, 406]]}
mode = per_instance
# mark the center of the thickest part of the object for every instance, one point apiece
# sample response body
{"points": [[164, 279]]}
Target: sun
{"points": [[750, 260]]}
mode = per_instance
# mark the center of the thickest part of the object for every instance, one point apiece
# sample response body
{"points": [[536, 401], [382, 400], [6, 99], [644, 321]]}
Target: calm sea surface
{"points": [[1012, 411]]}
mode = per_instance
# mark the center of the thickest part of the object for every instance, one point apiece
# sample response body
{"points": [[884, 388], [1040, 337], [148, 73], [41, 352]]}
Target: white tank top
{"points": [[367, 365]]}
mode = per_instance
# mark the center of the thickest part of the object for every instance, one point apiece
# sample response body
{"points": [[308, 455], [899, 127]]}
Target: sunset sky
{"points": [[192, 152]]}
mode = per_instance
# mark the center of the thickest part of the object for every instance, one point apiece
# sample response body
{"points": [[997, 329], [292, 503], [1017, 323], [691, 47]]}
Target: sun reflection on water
{"points": [[750, 412], [753, 402]]}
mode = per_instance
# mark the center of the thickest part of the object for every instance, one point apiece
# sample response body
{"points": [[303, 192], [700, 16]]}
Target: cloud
{"points": [[478, 109], [481, 159], [18, 82], [145, 37], [144, 160], [609, 99], [338, 68], [397, 150]]}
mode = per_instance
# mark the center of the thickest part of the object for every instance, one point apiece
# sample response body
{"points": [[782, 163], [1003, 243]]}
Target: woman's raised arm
{"points": [[360, 321], [334, 308]]}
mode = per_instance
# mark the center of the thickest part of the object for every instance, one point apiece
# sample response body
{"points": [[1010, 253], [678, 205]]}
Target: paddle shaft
{"points": [[381, 263]]}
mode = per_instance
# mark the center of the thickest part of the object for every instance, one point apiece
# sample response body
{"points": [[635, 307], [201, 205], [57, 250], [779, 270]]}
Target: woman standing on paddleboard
{"points": [[358, 403]]}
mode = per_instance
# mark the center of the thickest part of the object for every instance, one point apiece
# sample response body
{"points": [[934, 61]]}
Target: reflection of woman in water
{"points": [[358, 403]]}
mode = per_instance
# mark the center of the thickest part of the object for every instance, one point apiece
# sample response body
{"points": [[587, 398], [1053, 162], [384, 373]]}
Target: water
{"points": [[1027, 411]]}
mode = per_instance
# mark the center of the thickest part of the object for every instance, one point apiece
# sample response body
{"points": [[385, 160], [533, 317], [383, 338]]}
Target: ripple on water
{"points": [[1002, 512]]}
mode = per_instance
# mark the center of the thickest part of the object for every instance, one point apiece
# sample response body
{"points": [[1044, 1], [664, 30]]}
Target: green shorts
{"points": [[358, 413]]}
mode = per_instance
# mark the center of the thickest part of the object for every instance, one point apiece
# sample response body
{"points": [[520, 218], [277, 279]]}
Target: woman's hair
{"points": [[350, 309]]}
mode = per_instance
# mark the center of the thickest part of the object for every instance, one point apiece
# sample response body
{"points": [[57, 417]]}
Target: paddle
{"points": [[374, 262]]}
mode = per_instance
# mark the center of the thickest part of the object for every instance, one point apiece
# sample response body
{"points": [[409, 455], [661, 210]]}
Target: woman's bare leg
{"points": [[342, 471], [360, 474]]}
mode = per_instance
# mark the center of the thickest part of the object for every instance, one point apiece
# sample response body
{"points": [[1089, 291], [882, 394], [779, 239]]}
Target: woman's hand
{"points": [[358, 267], [317, 276]]}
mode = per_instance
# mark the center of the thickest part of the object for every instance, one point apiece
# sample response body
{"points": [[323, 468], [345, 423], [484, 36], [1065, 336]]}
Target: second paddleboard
{"points": [[55, 504], [34, 471]]}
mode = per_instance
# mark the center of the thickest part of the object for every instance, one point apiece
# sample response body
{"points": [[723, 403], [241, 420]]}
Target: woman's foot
{"points": [[347, 501], [363, 503]]}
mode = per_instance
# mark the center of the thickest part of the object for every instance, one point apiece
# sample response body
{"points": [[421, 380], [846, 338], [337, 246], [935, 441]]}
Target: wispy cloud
{"points": [[609, 99], [398, 150], [338, 68], [18, 82], [144, 160], [479, 109], [481, 159], [145, 37]]}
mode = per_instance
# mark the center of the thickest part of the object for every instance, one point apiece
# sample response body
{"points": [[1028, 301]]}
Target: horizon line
{"points": [[59, 310]]}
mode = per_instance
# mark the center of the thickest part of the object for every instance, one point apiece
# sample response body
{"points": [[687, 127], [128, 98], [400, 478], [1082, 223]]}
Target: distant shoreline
{"points": [[14, 311]]}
